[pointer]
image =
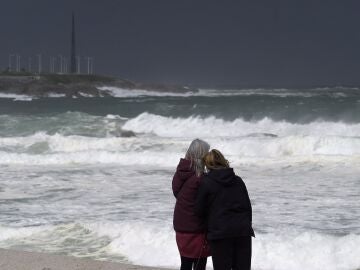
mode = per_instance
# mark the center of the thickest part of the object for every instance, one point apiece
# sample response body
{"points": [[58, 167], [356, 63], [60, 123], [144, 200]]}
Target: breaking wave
{"points": [[336, 92], [214, 127], [150, 139], [43, 149], [16, 97], [154, 244]]}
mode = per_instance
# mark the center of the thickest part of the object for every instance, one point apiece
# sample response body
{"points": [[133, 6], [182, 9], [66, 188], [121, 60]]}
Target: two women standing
{"points": [[215, 204]]}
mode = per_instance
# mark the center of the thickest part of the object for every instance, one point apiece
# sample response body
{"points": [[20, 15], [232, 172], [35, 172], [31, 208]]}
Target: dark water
{"points": [[289, 105]]}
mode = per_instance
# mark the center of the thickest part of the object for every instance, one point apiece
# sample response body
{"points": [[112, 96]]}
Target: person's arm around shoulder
{"points": [[249, 204], [201, 199], [247, 196]]}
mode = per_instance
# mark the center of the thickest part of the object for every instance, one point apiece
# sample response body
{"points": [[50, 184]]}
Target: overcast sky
{"points": [[194, 42]]}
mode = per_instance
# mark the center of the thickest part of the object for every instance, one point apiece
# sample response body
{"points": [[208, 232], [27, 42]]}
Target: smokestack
{"points": [[73, 47]]}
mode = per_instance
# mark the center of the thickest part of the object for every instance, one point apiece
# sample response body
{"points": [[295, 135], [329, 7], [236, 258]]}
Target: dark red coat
{"points": [[185, 185]]}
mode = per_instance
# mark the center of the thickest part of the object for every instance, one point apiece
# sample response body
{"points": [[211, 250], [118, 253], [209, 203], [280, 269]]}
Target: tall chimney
{"points": [[73, 47]]}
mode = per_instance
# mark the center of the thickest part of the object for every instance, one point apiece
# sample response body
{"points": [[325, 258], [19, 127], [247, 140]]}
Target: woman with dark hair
{"points": [[190, 229], [224, 203]]}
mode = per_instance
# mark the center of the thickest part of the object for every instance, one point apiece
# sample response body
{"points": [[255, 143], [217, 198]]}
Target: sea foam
{"points": [[337, 92], [216, 127], [16, 97], [159, 140], [153, 244]]}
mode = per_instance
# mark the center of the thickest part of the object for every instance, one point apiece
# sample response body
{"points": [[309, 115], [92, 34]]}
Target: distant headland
{"points": [[75, 85]]}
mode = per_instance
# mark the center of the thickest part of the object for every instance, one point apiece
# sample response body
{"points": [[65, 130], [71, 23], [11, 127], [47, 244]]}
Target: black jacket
{"points": [[224, 203]]}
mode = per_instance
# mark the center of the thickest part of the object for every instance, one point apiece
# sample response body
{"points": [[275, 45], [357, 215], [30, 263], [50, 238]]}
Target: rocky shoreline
{"points": [[68, 85]]}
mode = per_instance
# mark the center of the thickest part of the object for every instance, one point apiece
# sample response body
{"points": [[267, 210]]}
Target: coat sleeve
{"points": [[247, 194], [201, 200], [248, 198], [177, 184]]}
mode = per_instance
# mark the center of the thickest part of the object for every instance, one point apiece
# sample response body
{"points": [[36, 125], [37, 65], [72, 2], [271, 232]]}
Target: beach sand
{"points": [[22, 260]]}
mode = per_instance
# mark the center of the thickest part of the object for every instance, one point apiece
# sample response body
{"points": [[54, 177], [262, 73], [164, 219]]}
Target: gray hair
{"points": [[197, 150]]}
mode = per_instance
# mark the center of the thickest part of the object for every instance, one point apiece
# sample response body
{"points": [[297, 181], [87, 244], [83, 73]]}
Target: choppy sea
{"points": [[91, 177]]}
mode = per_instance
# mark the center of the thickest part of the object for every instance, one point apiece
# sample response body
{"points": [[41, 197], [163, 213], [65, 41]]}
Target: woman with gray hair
{"points": [[190, 229]]}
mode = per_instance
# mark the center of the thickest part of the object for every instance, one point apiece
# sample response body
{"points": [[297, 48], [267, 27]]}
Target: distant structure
{"points": [[73, 47], [57, 64]]}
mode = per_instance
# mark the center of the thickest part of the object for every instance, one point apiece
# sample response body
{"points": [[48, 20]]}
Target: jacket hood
{"points": [[184, 169], [225, 177]]}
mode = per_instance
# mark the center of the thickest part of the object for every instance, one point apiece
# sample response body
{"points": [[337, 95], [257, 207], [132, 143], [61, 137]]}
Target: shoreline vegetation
{"points": [[24, 260], [75, 85]]}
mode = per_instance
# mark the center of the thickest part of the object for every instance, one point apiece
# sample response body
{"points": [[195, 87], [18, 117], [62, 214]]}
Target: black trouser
{"points": [[193, 264], [231, 253]]}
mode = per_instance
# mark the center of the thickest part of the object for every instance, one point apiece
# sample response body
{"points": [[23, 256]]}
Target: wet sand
{"points": [[22, 260]]}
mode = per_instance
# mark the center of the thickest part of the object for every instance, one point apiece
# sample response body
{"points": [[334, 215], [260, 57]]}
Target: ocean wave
{"points": [[90, 157], [56, 95], [112, 125], [117, 92], [196, 126], [136, 242], [68, 123], [16, 97], [7, 233], [306, 250], [150, 139], [279, 251], [57, 149], [281, 92], [336, 92], [129, 93]]}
